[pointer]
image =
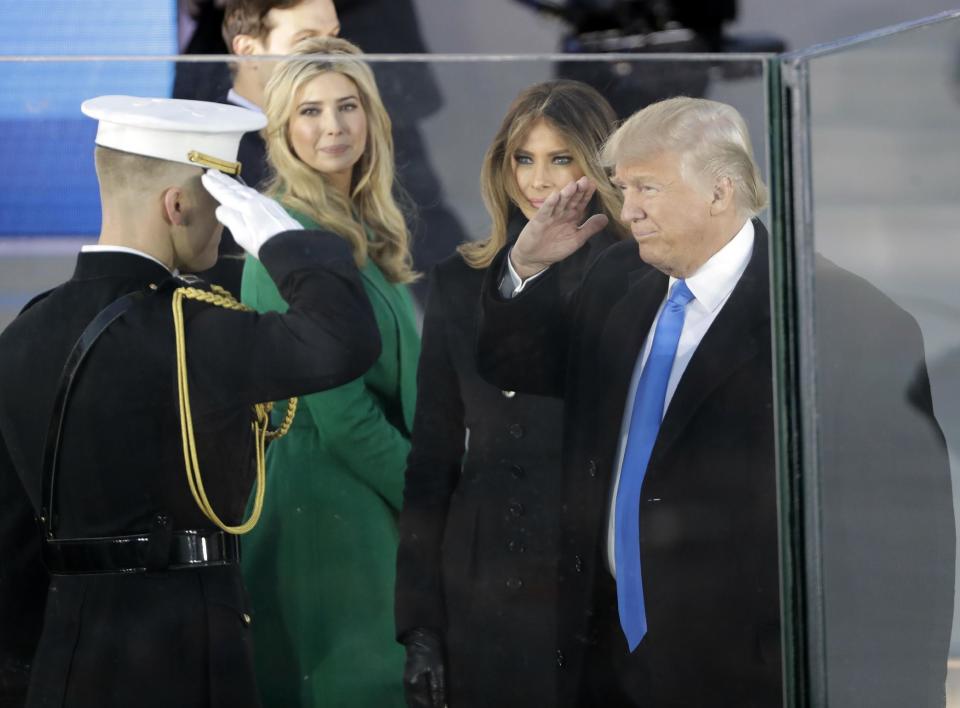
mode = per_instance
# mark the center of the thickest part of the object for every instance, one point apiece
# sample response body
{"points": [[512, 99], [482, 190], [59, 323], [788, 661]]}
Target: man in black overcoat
{"points": [[708, 531], [146, 606]]}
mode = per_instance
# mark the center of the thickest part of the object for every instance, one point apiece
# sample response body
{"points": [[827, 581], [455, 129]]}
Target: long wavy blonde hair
{"points": [[371, 205], [582, 117]]}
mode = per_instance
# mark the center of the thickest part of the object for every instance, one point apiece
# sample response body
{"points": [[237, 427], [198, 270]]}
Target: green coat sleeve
{"points": [[357, 433], [351, 423]]}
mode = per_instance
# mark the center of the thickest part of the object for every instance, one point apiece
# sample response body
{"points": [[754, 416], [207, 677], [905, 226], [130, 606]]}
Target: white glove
{"points": [[252, 218]]}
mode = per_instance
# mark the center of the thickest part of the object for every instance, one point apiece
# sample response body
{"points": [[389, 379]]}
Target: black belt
{"points": [[138, 553]]}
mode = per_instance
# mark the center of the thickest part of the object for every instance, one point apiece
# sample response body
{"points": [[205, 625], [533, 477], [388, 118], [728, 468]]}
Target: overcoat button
{"points": [[247, 619], [515, 546], [516, 471], [592, 468], [516, 509], [561, 660], [508, 394], [514, 583], [516, 430], [578, 563]]}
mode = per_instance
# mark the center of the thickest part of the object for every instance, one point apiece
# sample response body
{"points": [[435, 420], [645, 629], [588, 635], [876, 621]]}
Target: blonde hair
{"points": [[582, 117], [711, 139], [371, 204]]}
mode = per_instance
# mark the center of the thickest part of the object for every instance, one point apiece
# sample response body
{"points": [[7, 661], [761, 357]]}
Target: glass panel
{"points": [[486, 518], [878, 341], [434, 106]]}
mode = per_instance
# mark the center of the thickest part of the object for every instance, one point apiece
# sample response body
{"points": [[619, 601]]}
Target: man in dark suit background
{"points": [[663, 358]]}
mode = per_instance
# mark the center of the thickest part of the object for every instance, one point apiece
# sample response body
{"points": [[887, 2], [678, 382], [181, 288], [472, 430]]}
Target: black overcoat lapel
{"points": [[622, 341], [739, 333]]}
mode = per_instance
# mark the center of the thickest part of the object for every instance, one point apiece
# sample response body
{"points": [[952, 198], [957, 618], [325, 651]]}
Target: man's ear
{"points": [[723, 196], [173, 207], [245, 45]]}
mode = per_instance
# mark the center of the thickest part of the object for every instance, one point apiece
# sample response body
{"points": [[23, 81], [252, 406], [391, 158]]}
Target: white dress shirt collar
{"points": [[714, 280], [97, 248], [238, 100]]}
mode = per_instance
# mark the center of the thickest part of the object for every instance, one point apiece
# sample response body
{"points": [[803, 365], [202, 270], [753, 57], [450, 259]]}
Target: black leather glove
{"points": [[423, 675]]}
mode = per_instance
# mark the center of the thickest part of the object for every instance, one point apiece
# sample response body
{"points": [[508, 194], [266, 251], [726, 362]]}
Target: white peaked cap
{"points": [[196, 133]]}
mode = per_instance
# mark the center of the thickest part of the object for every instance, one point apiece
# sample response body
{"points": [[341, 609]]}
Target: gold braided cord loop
{"points": [[219, 298]]}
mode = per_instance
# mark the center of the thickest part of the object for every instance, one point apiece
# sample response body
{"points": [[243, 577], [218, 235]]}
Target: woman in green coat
{"points": [[320, 565]]}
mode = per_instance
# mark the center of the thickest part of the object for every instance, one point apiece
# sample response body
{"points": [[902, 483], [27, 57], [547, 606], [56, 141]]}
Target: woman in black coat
{"points": [[476, 566]]}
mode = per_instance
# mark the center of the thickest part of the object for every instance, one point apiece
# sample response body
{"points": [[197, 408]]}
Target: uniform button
{"points": [[517, 471], [247, 619], [592, 468], [578, 563], [515, 509], [508, 394], [561, 659], [514, 583], [516, 431]]}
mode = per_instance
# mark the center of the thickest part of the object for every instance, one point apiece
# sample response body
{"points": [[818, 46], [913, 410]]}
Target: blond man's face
{"points": [[668, 216]]}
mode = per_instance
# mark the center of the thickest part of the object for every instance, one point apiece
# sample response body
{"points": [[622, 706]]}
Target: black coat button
{"points": [[514, 583], [515, 546], [508, 394], [517, 471], [561, 659], [592, 468], [516, 430], [515, 509], [578, 563]]}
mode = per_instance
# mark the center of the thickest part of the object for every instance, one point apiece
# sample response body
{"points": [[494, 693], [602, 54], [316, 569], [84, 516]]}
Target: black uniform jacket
{"points": [[709, 505], [175, 637], [478, 529]]}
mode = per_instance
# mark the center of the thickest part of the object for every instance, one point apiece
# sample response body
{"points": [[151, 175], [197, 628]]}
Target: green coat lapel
{"points": [[397, 299]]}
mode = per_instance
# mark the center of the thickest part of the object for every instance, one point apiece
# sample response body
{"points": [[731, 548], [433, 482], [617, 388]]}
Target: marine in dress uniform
{"points": [[128, 441]]}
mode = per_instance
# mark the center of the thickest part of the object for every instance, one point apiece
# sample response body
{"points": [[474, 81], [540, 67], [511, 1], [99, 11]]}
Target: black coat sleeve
{"points": [[23, 585], [522, 342], [433, 470], [326, 338]]}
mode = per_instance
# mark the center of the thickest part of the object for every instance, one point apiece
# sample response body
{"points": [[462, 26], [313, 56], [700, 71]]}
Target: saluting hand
{"points": [[252, 218], [556, 232]]}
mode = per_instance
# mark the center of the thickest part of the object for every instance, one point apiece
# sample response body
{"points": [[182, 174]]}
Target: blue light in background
{"points": [[47, 181]]}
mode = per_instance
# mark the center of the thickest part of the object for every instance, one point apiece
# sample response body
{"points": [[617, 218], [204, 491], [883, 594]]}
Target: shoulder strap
{"points": [[104, 318]]}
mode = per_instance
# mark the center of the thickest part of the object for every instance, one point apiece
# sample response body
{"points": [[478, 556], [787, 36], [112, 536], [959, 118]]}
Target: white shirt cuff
{"points": [[512, 285]]}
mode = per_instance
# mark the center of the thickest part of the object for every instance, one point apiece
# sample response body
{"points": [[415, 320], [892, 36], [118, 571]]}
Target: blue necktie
{"points": [[644, 427]]}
